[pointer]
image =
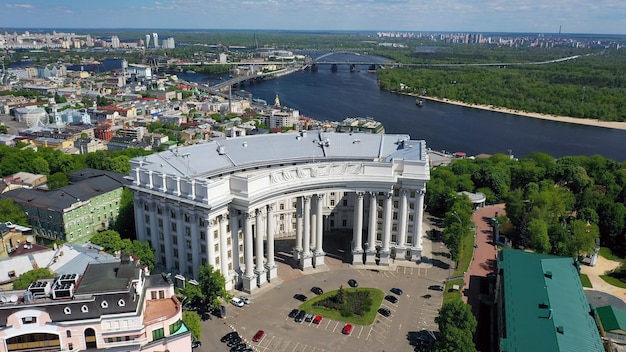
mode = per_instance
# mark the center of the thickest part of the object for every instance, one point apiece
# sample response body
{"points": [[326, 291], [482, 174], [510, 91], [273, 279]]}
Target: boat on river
{"points": [[353, 68], [372, 69], [419, 102]]}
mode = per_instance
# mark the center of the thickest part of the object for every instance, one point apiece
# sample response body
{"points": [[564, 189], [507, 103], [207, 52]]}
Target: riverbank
{"points": [[566, 119]]}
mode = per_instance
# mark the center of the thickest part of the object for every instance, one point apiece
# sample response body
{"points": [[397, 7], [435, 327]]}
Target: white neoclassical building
{"points": [[227, 201]]}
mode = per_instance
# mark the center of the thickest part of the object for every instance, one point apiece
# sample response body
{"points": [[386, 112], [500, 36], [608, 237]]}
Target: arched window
{"points": [[104, 304], [84, 309], [121, 303], [67, 310]]}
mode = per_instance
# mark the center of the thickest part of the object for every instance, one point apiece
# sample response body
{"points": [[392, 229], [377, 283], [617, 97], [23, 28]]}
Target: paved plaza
{"points": [[415, 311]]}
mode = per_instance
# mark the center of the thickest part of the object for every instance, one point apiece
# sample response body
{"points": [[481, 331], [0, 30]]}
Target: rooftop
{"points": [[228, 154], [545, 306]]}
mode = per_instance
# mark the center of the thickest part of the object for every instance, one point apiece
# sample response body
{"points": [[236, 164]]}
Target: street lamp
{"points": [[457, 217]]}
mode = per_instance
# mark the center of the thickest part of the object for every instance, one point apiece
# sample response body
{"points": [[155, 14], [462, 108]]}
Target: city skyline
{"points": [[527, 16]]}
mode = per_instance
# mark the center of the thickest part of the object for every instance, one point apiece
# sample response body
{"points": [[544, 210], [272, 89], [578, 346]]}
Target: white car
{"points": [[245, 299], [237, 302]]}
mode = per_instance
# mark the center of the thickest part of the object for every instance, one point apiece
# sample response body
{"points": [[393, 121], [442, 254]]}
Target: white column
{"points": [[387, 209], [210, 240], [306, 214], [313, 222], [371, 230], [223, 247], [402, 216], [357, 235], [177, 186], [319, 228], [164, 180], [270, 236], [233, 220], [419, 215], [299, 224], [259, 228], [192, 185], [248, 244]]}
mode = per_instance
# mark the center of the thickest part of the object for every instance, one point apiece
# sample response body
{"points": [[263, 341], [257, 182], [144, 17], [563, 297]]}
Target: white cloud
{"points": [[22, 6]]}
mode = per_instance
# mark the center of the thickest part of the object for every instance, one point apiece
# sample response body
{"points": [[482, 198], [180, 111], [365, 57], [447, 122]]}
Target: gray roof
{"points": [[228, 154], [64, 197]]}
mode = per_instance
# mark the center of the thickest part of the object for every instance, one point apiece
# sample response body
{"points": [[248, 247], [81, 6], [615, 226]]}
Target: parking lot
{"points": [[415, 311]]}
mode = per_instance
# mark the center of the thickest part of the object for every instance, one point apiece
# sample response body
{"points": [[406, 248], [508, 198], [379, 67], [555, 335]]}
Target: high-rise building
{"points": [[115, 42], [168, 43], [155, 38], [147, 43]]}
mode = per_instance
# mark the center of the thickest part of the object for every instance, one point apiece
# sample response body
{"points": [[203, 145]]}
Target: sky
{"points": [[525, 16]]}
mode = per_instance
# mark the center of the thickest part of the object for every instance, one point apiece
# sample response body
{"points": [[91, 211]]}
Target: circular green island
{"points": [[351, 305]]}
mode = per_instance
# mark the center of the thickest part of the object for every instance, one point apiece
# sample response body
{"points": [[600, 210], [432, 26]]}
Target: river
{"points": [[333, 96]]}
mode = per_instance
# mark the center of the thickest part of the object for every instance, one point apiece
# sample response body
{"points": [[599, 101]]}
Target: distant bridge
{"points": [[259, 76]]}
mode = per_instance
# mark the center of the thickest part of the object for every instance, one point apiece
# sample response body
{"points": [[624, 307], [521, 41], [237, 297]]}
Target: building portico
{"points": [[226, 202]]}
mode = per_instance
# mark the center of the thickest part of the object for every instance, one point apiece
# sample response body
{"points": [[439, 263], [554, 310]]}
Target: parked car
{"points": [[353, 283], [234, 341], [392, 299], [239, 347], [397, 291], [196, 344], [300, 317], [317, 319], [317, 290], [293, 313], [229, 336], [309, 317], [245, 299], [258, 336], [435, 287], [237, 302], [347, 329], [384, 311], [300, 297]]}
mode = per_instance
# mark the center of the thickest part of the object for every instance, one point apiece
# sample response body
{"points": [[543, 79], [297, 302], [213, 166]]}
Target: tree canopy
{"points": [[457, 325], [11, 212], [31, 276], [112, 242], [556, 206], [213, 285]]}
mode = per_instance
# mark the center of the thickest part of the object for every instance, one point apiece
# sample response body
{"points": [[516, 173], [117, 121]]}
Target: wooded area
{"points": [[558, 206], [590, 86]]}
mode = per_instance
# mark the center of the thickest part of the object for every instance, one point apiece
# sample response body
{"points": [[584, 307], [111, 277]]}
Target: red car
{"points": [[347, 329], [317, 320], [258, 336]]}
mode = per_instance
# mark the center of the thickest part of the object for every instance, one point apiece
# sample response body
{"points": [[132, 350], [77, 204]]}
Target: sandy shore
{"points": [[587, 122]]}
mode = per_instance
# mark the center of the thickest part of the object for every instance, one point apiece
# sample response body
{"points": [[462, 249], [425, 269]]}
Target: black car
{"points": [[397, 291], [196, 344], [391, 299], [435, 287], [234, 341], [239, 347], [384, 311], [293, 313], [353, 283], [300, 297], [300, 317], [230, 336], [317, 290]]}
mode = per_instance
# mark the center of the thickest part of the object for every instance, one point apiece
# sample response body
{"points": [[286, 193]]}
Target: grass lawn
{"points": [[449, 295], [467, 250], [606, 253], [367, 319], [613, 281], [584, 279]]}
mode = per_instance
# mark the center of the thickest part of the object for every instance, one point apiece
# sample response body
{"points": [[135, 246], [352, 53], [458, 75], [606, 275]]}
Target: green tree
{"points": [[584, 237], [3, 129], [538, 236], [457, 325], [31, 276], [109, 240], [57, 180], [213, 285], [125, 221], [193, 293], [192, 321], [12, 212]]}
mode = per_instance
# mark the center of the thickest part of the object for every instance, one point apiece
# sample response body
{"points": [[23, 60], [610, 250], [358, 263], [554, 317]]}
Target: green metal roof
{"points": [[612, 318], [545, 307]]}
